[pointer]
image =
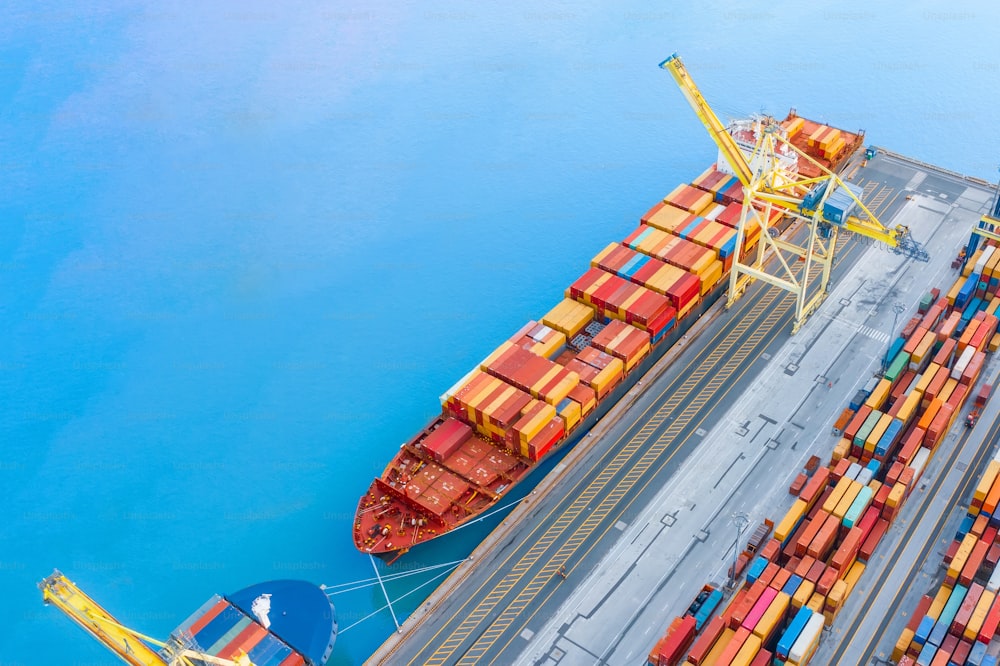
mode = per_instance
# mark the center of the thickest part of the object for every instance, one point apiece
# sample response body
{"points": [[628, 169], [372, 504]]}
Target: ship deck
{"points": [[641, 517]]}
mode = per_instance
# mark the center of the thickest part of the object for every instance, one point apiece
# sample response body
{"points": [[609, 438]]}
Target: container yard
{"points": [[878, 385]]}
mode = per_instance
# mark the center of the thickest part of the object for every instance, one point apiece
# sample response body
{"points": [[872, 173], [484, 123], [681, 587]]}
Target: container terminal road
{"points": [[622, 534]]}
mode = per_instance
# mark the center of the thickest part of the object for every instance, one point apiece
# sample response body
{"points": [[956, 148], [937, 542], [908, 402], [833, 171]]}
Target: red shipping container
{"points": [[867, 522], [824, 540], [807, 535], [826, 581], [918, 613], [446, 439], [780, 579], [964, 613], [677, 641], [735, 643], [839, 470], [993, 555], [705, 642], [961, 653], [739, 613], [910, 445], [990, 624], [814, 487], [804, 565], [771, 550], [881, 496], [911, 326], [845, 555], [767, 575], [952, 550], [816, 571], [855, 423], [939, 427], [763, 658], [943, 357], [873, 539], [972, 564]]}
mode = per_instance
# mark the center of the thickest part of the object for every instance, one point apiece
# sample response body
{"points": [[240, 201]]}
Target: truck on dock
{"points": [[977, 407]]}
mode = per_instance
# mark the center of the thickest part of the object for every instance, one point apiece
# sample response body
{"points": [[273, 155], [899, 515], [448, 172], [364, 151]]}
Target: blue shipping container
{"points": [[795, 628], [756, 569], [923, 631]]}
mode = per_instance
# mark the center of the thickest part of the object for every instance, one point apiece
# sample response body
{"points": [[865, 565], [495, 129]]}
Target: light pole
{"points": [[741, 521], [897, 309]]}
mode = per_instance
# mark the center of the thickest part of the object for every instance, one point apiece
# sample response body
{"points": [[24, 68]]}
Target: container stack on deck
{"points": [[537, 386], [801, 579]]}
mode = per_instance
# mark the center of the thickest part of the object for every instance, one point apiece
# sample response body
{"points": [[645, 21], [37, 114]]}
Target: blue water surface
{"points": [[245, 246]]}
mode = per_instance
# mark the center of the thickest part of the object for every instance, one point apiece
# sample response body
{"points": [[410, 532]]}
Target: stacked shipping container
{"points": [[801, 579], [958, 623]]}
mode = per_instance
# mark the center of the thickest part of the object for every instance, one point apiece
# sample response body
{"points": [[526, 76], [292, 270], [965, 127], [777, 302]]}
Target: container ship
{"points": [[279, 623], [546, 386]]}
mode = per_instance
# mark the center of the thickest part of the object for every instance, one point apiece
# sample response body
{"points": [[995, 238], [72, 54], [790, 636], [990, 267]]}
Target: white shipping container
{"points": [[807, 641], [994, 583], [919, 462], [853, 471], [984, 259], [963, 362]]}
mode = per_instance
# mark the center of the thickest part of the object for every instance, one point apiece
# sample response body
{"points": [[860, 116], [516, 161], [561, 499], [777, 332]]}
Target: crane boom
{"points": [[723, 139], [766, 163], [782, 191]]}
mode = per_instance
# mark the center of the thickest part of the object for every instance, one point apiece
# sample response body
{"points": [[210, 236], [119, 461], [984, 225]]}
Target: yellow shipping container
{"points": [[995, 301], [877, 432], [489, 387], [560, 391], [551, 347], [879, 395], [895, 496], [909, 407], [540, 420], [841, 450], [669, 218], [986, 482], [940, 601], [664, 278], [596, 261], [847, 499], [712, 658], [569, 317], [838, 493], [970, 264], [497, 353], [923, 350], [793, 127], [853, 576], [751, 646], [947, 389], [925, 379], [994, 342], [545, 380], [962, 555], [609, 375], [816, 603], [773, 616], [875, 485], [838, 593], [790, 521], [710, 276], [570, 414], [803, 594], [979, 615], [902, 645], [953, 292]]}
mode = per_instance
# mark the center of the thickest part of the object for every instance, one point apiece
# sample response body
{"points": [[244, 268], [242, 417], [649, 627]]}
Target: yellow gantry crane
{"points": [[767, 166], [130, 646]]}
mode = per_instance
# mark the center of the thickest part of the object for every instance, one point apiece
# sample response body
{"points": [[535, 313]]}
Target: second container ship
{"points": [[547, 385]]}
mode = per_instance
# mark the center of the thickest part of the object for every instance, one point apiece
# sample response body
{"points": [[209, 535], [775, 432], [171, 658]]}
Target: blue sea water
{"points": [[244, 247]]}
